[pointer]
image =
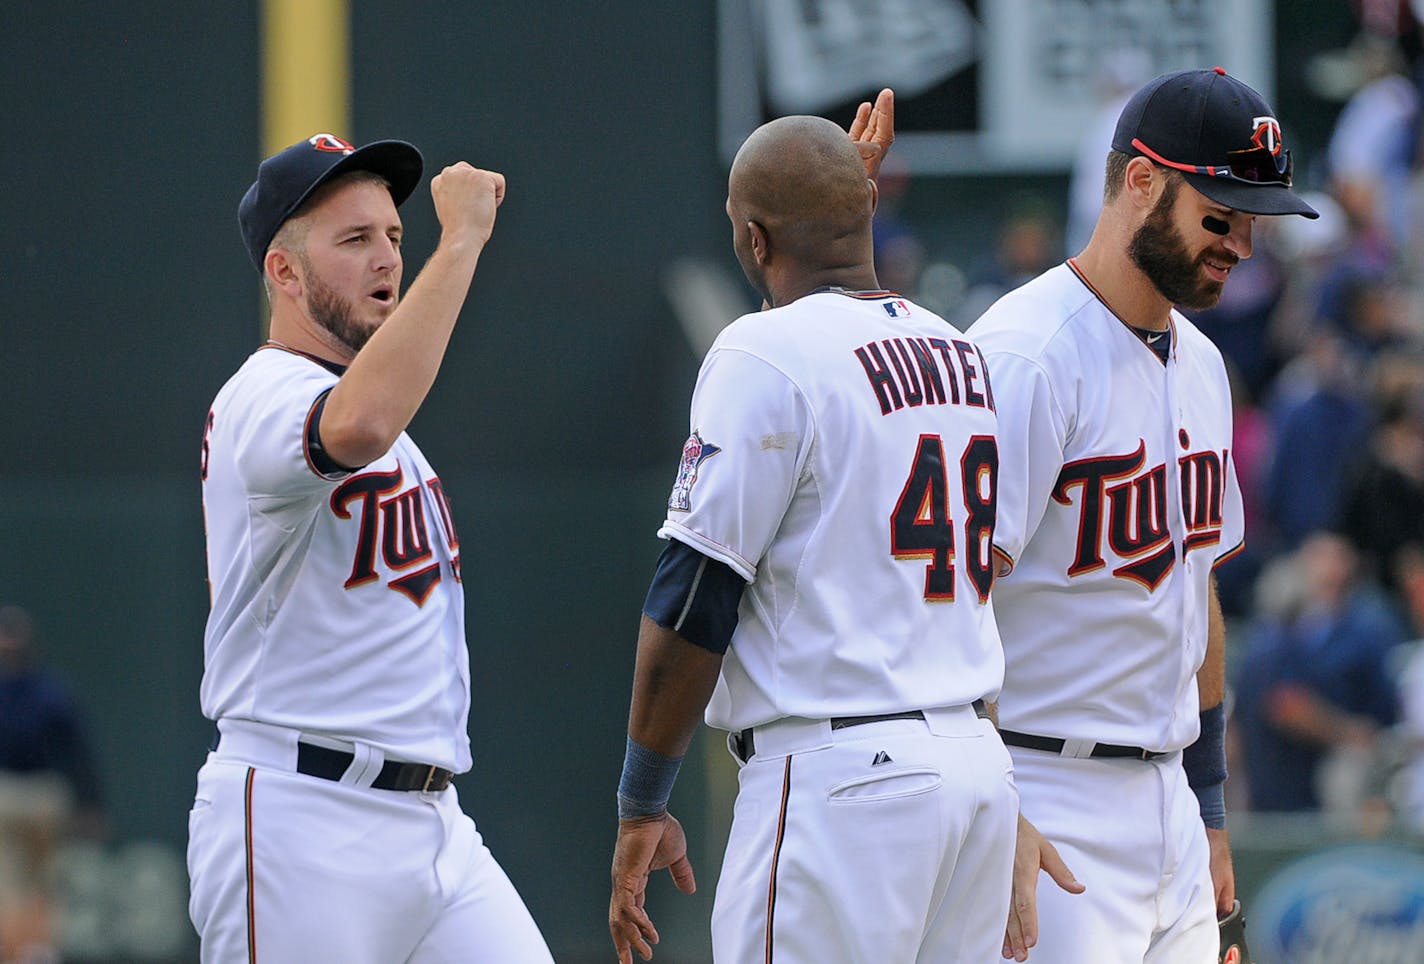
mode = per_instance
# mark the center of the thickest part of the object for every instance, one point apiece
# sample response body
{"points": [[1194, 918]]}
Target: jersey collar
{"points": [[331, 366]]}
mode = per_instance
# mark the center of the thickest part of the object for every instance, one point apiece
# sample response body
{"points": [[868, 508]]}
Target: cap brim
{"points": [[398, 162], [1251, 198]]}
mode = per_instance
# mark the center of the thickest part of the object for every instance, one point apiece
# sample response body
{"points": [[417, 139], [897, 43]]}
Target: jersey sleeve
{"points": [[1032, 436], [1233, 518], [271, 439], [751, 435]]}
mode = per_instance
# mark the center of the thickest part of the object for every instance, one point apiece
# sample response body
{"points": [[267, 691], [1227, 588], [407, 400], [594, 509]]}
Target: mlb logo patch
{"points": [[896, 309], [694, 453]]}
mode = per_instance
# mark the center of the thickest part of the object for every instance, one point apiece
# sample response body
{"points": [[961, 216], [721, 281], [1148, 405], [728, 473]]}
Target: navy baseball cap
{"points": [[286, 180], [1219, 133]]}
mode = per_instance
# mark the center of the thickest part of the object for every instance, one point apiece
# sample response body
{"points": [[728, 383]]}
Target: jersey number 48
{"points": [[922, 525]]}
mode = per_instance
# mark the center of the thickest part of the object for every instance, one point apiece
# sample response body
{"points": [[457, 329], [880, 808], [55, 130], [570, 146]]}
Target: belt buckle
{"points": [[429, 776]]}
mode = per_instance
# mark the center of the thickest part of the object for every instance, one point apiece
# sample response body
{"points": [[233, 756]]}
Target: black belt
{"points": [[747, 745], [320, 761], [1052, 744], [329, 764]]}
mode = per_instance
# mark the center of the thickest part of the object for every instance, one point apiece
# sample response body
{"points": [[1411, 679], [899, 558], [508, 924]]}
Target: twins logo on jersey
{"points": [[1131, 504], [694, 453], [397, 524]]}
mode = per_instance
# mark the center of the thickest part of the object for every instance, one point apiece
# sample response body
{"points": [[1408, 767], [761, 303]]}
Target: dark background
{"points": [[556, 422]]}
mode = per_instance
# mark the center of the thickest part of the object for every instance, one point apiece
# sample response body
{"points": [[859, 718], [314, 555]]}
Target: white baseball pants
{"points": [[888, 841], [1131, 831], [286, 868]]}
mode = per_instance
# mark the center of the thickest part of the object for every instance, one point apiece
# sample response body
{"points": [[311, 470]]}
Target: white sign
{"points": [[992, 85]]}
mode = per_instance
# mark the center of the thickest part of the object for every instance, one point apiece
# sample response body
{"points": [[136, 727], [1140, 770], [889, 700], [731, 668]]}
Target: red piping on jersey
{"points": [[862, 295], [1171, 325], [1228, 554], [251, 890], [776, 858]]}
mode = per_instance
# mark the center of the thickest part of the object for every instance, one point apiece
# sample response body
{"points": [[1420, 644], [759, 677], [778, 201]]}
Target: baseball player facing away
{"points": [[825, 586], [325, 827], [1117, 497]]}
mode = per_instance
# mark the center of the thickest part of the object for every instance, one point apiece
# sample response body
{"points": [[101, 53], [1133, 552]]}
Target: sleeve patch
{"points": [[694, 452]]}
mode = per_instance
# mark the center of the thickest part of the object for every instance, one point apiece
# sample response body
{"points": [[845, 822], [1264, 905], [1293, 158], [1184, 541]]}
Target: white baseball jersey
{"points": [[1117, 496], [336, 599], [842, 461], [337, 621]]}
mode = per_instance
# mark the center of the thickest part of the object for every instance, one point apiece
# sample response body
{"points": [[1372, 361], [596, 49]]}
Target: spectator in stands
{"points": [[1317, 678], [1320, 415], [1382, 504], [1027, 246], [1373, 145], [48, 787]]}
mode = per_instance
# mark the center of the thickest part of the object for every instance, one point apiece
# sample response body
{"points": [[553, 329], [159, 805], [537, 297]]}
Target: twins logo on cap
{"points": [[330, 142], [1267, 134]]}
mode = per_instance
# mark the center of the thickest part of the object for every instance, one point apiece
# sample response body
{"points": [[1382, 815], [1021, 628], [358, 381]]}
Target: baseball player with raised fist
{"points": [[825, 586], [1117, 498], [325, 827]]}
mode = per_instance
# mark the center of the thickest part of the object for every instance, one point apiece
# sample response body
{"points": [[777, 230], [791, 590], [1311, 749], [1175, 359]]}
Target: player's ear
{"points": [[874, 194], [281, 267], [761, 246], [1139, 180]]}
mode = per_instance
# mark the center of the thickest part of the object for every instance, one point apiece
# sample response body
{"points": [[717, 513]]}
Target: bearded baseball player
{"points": [[325, 827], [1117, 498], [825, 586]]}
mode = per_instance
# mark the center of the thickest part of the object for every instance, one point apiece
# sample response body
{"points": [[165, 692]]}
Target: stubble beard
{"points": [[1159, 250], [336, 314]]}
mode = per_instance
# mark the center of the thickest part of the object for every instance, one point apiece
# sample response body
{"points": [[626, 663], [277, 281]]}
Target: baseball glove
{"points": [[1233, 937]]}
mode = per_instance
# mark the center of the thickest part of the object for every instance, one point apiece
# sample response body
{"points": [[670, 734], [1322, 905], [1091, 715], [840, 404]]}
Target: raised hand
{"points": [[873, 131], [465, 199]]}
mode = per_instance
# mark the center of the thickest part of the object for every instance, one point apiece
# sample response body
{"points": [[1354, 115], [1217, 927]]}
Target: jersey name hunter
{"points": [[910, 372]]}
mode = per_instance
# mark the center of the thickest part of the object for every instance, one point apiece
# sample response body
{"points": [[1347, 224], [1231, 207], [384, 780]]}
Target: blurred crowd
{"points": [[1323, 333], [49, 791]]}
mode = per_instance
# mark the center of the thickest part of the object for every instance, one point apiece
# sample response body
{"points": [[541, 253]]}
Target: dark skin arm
{"points": [[672, 682]]}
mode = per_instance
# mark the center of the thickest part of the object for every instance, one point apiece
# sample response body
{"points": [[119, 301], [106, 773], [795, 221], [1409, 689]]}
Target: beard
{"points": [[336, 314], [1160, 251]]}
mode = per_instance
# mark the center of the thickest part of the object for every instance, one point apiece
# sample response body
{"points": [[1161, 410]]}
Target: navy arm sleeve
{"points": [[695, 596]]}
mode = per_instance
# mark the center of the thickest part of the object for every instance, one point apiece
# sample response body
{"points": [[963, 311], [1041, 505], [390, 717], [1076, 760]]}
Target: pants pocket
{"points": [[890, 785]]}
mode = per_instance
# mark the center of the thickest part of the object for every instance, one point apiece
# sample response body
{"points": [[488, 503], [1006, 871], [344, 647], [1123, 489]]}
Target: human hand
{"points": [[1032, 853], [1223, 873], [873, 131], [645, 844], [465, 199]]}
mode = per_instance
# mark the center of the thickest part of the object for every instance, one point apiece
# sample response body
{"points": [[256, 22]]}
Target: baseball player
{"points": [[1117, 497], [325, 827], [825, 586]]}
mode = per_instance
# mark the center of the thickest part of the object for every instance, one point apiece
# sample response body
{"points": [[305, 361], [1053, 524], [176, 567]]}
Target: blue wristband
{"points": [[1205, 765], [1212, 801], [647, 781]]}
